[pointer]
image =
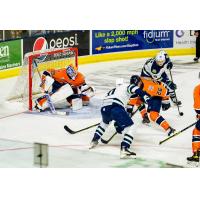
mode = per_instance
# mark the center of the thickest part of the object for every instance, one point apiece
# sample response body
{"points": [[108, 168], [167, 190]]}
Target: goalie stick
{"points": [[177, 133], [107, 141], [74, 132]]}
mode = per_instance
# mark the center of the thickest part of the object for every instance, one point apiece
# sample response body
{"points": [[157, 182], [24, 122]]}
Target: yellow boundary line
{"points": [[109, 57]]}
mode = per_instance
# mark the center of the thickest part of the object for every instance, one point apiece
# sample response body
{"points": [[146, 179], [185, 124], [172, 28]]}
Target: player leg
{"points": [[106, 119], [135, 100], [154, 110], [121, 117], [195, 143], [143, 112]]}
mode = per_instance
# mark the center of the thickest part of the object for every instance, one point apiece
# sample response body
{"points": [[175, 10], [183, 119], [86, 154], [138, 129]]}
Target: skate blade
{"points": [[193, 164], [128, 157]]}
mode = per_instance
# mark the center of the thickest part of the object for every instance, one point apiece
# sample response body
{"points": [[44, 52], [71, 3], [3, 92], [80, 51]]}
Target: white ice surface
{"points": [[72, 150]]}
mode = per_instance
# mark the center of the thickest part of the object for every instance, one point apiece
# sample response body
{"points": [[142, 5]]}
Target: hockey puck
{"points": [[181, 113]]}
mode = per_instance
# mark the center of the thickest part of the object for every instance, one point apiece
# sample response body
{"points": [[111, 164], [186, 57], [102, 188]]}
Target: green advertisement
{"points": [[10, 54]]}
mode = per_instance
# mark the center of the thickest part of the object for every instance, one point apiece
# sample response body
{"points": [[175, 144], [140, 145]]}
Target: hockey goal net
{"points": [[27, 87]]}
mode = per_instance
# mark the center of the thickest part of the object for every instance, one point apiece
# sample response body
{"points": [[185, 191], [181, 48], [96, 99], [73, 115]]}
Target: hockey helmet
{"points": [[135, 79], [71, 72], [160, 58]]}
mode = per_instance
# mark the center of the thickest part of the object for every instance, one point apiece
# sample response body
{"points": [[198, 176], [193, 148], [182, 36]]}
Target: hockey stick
{"points": [[179, 112], [74, 132], [177, 133], [107, 141]]}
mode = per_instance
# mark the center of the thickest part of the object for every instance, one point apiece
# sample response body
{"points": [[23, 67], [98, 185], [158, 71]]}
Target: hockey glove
{"points": [[198, 116], [129, 110], [169, 65], [146, 99], [172, 85]]}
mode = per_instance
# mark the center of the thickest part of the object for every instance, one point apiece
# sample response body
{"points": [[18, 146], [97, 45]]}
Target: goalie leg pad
{"points": [[64, 92]]}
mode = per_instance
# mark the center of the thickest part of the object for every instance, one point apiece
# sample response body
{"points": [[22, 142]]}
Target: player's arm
{"points": [[133, 89], [146, 70], [168, 82]]}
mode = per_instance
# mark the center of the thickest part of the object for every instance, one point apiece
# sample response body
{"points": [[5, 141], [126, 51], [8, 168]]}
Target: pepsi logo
{"points": [[40, 44]]}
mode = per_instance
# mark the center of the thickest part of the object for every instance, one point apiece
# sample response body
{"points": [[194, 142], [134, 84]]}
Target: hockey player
{"points": [[159, 99], [66, 83], [196, 131], [113, 109], [155, 70], [135, 100]]}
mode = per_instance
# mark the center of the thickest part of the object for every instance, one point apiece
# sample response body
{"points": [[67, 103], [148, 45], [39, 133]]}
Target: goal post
{"points": [[27, 87]]}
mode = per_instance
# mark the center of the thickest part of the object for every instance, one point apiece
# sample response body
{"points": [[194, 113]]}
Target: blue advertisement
{"points": [[106, 41]]}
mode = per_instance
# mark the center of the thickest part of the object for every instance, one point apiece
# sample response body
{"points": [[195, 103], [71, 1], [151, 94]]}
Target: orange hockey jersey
{"points": [[196, 96], [61, 76]]}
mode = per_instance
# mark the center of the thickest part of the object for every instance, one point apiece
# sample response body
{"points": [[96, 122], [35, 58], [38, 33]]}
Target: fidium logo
{"points": [[152, 36]]}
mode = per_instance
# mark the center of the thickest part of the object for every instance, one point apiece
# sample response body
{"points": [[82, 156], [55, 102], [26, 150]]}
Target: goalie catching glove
{"points": [[87, 90]]}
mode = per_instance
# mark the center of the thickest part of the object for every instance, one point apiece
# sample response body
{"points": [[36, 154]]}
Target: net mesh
{"points": [[49, 59]]}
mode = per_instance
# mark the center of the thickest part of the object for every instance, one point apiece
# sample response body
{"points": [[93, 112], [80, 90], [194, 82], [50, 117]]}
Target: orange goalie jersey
{"points": [[62, 77]]}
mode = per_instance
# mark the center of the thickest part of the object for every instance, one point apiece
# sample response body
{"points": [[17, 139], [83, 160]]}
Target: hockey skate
{"points": [[93, 144], [37, 107], [170, 131], [145, 119], [196, 59], [193, 161], [125, 153]]}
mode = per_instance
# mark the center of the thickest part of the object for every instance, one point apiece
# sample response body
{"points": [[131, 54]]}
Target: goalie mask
{"points": [[160, 59], [71, 72]]}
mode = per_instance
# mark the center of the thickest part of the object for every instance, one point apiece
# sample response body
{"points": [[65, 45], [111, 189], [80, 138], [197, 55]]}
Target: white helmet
{"points": [[160, 58]]}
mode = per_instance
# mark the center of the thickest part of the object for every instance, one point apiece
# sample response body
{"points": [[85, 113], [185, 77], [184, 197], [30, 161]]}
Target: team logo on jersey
{"points": [[40, 44], [180, 33], [154, 71]]}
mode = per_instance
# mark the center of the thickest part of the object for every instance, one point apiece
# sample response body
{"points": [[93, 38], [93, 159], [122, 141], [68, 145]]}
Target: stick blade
{"points": [[104, 141], [69, 130]]}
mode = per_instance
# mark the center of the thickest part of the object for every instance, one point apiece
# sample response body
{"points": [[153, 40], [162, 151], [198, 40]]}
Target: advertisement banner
{"points": [[184, 39], [79, 39], [106, 41], [10, 54]]}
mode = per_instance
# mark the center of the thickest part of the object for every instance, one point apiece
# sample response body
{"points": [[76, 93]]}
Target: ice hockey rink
{"points": [[19, 129]]}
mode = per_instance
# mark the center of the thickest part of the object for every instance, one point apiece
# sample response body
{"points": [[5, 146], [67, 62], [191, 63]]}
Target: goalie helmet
{"points": [[71, 72], [135, 79], [160, 58]]}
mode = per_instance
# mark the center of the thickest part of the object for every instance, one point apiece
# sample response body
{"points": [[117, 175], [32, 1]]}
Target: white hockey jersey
{"points": [[120, 95]]}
